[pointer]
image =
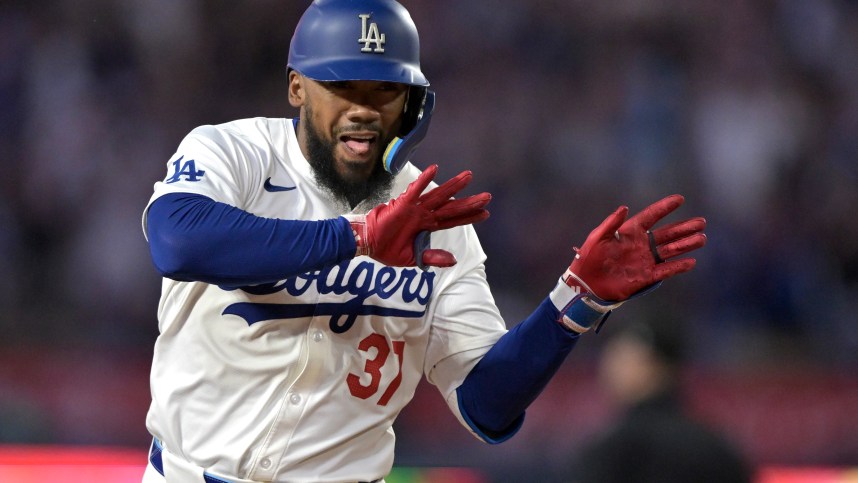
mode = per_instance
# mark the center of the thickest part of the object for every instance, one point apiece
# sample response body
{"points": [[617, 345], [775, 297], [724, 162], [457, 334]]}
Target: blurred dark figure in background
{"points": [[655, 440]]}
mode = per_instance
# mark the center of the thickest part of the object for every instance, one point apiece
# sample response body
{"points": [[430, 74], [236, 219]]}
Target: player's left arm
{"points": [[621, 259]]}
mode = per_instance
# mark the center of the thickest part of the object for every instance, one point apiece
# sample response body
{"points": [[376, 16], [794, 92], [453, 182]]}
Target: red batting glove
{"points": [[621, 258], [394, 233]]}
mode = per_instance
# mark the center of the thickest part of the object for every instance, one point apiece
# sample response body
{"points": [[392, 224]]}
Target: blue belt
{"points": [[155, 458]]}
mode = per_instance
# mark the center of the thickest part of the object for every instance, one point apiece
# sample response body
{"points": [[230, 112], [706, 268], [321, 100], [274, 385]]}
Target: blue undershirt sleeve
{"points": [[496, 392], [194, 238]]}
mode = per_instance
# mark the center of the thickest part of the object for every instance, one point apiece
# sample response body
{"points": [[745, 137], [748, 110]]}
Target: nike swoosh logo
{"points": [[271, 188]]}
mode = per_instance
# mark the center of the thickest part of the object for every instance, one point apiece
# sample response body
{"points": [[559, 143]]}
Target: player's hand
{"points": [[622, 258], [396, 233]]}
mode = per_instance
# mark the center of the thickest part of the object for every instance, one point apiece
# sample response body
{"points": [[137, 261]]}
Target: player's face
{"points": [[320, 155], [357, 119]]}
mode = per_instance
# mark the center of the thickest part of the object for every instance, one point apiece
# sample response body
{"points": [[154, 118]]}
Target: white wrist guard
{"points": [[579, 309]]}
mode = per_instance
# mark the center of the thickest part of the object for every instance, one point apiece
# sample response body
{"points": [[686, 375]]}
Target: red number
{"points": [[399, 349], [373, 368]]}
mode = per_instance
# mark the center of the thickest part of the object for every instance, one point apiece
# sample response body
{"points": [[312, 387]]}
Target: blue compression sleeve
{"points": [[513, 373], [194, 238]]}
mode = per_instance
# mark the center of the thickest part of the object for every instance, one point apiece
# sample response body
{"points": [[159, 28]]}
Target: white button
{"points": [[265, 463], [295, 399], [318, 336]]}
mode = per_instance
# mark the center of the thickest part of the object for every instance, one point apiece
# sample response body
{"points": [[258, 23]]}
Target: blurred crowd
{"points": [[563, 109]]}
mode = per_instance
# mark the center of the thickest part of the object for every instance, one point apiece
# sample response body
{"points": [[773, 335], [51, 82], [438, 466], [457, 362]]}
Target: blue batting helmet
{"points": [[338, 40]]}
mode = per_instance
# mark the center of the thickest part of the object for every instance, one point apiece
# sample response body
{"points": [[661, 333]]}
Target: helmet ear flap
{"points": [[415, 101], [415, 124]]}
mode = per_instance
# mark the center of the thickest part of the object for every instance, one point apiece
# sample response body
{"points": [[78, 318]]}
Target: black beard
{"points": [[320, 155]]}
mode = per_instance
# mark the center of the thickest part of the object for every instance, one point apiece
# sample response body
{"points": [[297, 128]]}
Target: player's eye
{"points": [[388, 87], [337, 85]]}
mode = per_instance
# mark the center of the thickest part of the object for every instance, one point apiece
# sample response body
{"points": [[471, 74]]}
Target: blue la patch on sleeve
{"points": [[187, 169]]}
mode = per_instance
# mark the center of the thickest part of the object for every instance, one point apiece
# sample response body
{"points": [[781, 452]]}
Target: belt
{"points": [[157, 463]]}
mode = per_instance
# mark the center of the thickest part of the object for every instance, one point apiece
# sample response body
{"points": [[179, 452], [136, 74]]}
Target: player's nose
{"points": [[362, 110]]}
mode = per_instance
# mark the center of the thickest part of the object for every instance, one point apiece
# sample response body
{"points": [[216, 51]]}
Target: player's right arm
{"points": [[196, 231], [195, 238]]}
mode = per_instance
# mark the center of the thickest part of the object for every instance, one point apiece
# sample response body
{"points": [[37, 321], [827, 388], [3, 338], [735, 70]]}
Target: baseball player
{"points": [[313, 275]]}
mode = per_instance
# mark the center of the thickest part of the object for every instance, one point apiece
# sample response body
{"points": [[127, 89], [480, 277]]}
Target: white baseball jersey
{"points": [[301, 380]]}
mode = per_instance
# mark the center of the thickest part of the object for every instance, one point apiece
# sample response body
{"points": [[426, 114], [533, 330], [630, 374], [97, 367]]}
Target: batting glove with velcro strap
{"points": [[623, 259], [396, 233]]}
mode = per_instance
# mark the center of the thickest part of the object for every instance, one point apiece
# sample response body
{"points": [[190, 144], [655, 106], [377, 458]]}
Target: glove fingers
{"points": [[413, 191], [610, 225], [682, 246], [434, 257], [464, 219], [665, 270], [677, 230], [650, 215], [438, 196], [454, 208]]}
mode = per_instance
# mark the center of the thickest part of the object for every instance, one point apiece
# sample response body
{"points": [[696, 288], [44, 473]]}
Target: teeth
{"points": [[361, 137]]}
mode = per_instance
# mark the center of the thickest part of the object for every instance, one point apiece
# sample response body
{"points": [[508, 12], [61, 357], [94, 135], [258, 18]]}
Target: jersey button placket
{"points": [[298, 396], [291, 409]]}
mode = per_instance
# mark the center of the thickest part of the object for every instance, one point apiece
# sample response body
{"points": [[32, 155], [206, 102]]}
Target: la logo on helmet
{"points": [[370, 36]]}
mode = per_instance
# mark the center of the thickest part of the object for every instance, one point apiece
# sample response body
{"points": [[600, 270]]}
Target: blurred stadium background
{"points": [[563, 110]]}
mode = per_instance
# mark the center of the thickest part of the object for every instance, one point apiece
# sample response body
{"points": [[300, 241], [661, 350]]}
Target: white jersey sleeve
{"points": [[226, 163], [466, 322], [205, 164]]}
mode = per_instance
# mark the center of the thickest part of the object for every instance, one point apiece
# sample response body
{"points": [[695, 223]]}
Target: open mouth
{"points": [[358, 144]]}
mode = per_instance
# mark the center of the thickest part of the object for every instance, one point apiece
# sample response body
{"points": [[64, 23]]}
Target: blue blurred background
{"points": [[563, 110]]}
